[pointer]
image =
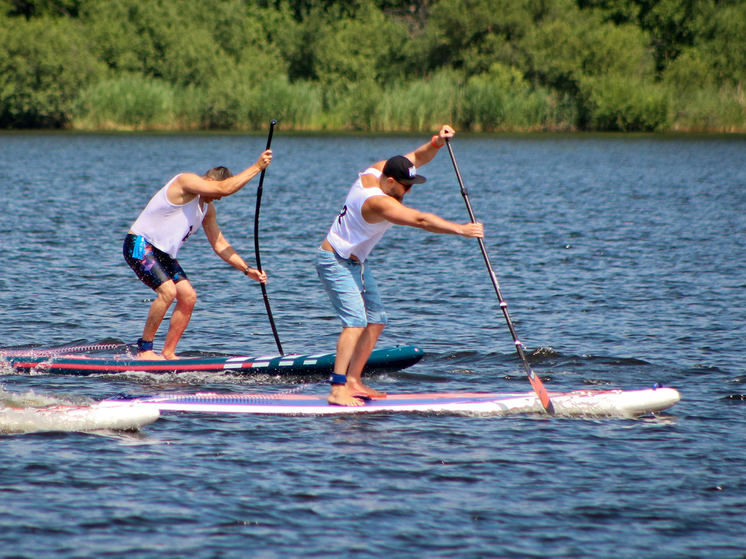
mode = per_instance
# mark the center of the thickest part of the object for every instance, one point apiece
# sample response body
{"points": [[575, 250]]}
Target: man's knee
{"points": [[376, 328], [185, 294], [167, 292]]}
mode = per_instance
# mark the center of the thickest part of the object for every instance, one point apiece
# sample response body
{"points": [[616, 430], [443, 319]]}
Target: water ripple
{"points": [[620, 258]]}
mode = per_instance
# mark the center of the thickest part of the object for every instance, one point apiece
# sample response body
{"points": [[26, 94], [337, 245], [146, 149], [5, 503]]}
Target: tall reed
{"points": [[129, 101], [711, 109], [418, 106], [499, 100]]}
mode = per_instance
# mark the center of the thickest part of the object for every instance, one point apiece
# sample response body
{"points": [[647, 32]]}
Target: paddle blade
{"points": [[541, 392]]}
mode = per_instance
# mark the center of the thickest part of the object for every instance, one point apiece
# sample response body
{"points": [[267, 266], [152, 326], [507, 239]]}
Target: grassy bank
{"points": [[495, 102]]}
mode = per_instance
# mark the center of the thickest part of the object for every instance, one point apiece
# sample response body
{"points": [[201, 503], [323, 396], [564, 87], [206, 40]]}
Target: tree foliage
{"points": [[604, 64], [671, 24], [44, 64]]}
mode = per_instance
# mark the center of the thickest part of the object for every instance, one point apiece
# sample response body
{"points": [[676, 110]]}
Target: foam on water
{"points": [[30, 412]]}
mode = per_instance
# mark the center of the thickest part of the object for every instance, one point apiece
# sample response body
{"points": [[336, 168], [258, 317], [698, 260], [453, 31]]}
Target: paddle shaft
{"points": [[533, 378], [256, 242]]}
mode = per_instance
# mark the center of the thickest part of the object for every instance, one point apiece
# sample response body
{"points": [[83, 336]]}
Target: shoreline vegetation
{"points": [[374, 65]]}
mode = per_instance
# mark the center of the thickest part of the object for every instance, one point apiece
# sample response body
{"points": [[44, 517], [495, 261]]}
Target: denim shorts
{"points": [[352, 289]]}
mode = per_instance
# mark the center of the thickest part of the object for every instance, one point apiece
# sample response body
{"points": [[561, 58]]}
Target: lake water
{"points": [[622, 259]]}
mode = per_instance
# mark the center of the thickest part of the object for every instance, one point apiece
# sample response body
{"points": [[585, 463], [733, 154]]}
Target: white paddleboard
{"points": [[124, 416], [577, 403]]}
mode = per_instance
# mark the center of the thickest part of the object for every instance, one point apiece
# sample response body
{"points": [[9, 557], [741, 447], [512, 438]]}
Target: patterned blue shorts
{"points": [[151, 265]]}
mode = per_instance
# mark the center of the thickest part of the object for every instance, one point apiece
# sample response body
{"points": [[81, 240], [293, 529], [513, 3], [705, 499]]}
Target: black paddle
{"points": [[533, 378], [256, 242]]}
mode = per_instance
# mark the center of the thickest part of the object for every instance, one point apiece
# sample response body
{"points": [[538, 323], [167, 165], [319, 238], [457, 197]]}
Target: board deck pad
{"points": [[581, 402], [384, 359]]}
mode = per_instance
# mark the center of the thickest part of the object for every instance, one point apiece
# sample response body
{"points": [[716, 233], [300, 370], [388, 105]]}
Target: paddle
{"points": [[535, 381], [256, 242]]}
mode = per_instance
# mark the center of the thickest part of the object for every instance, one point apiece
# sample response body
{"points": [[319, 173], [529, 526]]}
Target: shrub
{"points": [[622, 104], [420, 105], [126, 101], [710, 109], [295, 104], [44, 63]]}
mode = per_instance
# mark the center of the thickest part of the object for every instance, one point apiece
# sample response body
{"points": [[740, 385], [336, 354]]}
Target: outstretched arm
{"points": [[188, 185], [386, 207], [426, 152], [223, 248]]}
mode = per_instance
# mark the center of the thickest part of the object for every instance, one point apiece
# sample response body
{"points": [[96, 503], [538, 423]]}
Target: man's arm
{"points": [[189, 185], [422, 155], [385, 207], [426, 152], [223, 248]]}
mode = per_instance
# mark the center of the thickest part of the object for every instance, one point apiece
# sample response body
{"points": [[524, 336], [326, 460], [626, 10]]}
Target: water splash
{"points": [[30, 412]]}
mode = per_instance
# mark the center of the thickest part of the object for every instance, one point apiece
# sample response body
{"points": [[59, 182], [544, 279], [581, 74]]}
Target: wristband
{"points": [[436, 146], [246, 270]]}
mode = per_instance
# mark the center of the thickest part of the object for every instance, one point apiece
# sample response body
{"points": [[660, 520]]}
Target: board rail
{"points": [[384, 359], [576, 403]]}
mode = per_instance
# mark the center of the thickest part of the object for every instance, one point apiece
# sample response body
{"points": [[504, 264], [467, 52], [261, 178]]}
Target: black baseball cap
{"points": [[402, 170]]}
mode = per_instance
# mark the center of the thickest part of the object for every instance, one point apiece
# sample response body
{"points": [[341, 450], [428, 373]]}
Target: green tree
{"points": [[571, 54], [671, 24], [186, 43], [41, 8], [44, 63], [333, 47], [723, 43], [471, 35]]}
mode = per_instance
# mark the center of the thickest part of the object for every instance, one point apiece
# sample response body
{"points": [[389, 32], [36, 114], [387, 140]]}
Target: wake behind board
{"points": [[96, 417], [578, 403], [384, 359]]}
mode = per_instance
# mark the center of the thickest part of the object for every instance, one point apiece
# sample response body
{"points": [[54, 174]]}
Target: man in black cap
{"points": [[373, 205]]}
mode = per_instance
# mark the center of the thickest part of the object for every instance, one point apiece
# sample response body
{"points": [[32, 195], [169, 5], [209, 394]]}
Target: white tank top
{"points": [[165, 225], [350, 234]]}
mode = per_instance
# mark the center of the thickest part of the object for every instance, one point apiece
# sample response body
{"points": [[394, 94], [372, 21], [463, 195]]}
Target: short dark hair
{"points": [[218, 174]]}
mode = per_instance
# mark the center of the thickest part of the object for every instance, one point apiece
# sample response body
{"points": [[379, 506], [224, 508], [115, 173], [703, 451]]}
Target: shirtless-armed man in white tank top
{"points": [[150, 248], [373, 205]]}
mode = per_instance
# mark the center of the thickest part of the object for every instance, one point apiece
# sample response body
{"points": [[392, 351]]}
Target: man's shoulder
{"points": [[182, 178], [379, 201], [178, 188], [180, 183], [374, 167]]}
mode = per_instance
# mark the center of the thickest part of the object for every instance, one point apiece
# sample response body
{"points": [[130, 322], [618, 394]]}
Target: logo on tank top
{"points": [[342, 214], [189, 233]]}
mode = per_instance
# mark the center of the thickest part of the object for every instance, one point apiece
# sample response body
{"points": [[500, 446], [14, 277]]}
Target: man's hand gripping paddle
{"points": [[533, 378], [256, 241]]}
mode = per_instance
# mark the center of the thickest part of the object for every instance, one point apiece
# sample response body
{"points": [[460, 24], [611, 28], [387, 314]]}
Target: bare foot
{"points": [[170, 357], [150, 356], [358, 388], [341, 397]]}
